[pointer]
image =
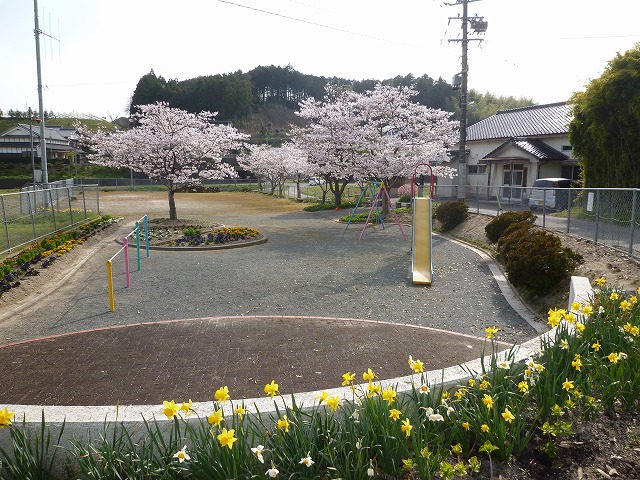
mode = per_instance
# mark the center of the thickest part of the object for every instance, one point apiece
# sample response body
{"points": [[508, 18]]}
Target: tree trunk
{"points": [[173, 215], [298, 186]]}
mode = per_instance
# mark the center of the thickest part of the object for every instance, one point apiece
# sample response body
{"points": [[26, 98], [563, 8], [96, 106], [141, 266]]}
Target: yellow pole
{"points": [[112, 305]]}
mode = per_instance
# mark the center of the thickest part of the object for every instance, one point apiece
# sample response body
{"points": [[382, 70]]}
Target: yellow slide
{"points": [[421, 262]]}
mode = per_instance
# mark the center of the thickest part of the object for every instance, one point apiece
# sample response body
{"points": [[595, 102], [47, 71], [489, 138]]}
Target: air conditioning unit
{"points": [[456, 81]]}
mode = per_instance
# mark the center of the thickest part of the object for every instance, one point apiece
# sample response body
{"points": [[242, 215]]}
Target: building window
{"points": [[567, 148], [476, 169]]}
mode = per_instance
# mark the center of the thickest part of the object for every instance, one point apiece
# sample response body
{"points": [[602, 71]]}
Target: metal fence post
{"points": [[632, 224], [544, 207], [84, 201], [4, 220], [53, 210], [138, 242], [70, 210], [98, 199], [595, 240], [568, 210], [31, 214]]}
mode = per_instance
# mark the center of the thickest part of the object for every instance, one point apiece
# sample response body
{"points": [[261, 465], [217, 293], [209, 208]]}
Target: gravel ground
{"points": [[310, 265]]}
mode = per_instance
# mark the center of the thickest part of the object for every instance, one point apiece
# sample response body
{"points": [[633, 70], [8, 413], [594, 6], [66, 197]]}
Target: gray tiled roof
{"points": [[533, 146], [538, 120]]}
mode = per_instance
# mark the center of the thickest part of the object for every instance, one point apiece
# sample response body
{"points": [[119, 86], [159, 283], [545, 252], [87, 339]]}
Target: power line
{"points": [[309, 22]]}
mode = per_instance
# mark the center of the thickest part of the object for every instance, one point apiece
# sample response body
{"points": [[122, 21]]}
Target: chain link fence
{"points": [[37, 212], [606, 216]]}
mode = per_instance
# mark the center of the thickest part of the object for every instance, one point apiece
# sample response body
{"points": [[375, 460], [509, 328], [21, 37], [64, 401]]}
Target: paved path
{"points": [[310, 267]]}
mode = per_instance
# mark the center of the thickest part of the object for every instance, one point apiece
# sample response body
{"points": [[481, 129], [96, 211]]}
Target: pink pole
{"points": [[126, 261], [373, 205]]}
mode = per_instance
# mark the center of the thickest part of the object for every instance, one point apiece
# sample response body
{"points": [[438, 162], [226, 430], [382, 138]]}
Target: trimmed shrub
{"points": [[316, 207], [452, 214], [536, 260], [496, 227], [511, 235]]}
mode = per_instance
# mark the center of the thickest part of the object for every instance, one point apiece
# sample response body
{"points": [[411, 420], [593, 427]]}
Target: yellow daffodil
{"points": [[576, 306], [613, 357], [215, 418], [368, 376], [484, 384], [491, 331], [395, 414], [322, 396], [227, 437], [333, 403], [508, 416], [6, 416], [466, 425], [600, 281], [564, 344], [222, 394], [625, 305], [186, 407], [408, 464], [580, 327], [389, 395], [570, 318], [456, 449], [587, 309], [170, 409], [635, 330], [425, 453], [417, 366], [485, 428], [488, 401], [240, 411], [555, 316], [348, 378], [406, 427], [596, 346], [284, 423], [523, 387], [614, 296], [271, 389], [472, 382], [568, 384], [633, 299], [373, 389]]}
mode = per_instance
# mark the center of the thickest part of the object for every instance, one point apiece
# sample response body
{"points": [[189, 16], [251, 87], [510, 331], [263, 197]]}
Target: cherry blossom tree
{"points": [[377, 135], [274, 163], [167, 144]]}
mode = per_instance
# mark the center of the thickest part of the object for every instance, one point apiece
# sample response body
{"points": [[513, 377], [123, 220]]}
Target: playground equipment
{"points": [[370, 187], [125, 250], [421, 238]]}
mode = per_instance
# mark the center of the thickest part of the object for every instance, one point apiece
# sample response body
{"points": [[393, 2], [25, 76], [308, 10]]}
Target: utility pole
{"points": [[478, 25], [43, 140]]}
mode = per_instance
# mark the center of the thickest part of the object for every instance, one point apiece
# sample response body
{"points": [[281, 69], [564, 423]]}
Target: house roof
{"points": [[538, 120], [533, 146], [22, 130]]}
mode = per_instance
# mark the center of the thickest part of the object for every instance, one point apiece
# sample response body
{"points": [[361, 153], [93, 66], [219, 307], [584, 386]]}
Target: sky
{"points": [[540, 49]]}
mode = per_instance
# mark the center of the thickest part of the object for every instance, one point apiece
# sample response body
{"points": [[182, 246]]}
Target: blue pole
{"points": [[146, 233]]}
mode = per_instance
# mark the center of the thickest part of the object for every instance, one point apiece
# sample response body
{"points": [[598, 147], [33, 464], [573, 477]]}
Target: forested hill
{"points": [[239, 96]]}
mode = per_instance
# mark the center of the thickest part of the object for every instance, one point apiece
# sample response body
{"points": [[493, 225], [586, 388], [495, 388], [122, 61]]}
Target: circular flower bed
{"points": [[193, 237]]}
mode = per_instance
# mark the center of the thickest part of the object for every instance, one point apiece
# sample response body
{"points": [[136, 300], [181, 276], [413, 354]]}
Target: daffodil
{"points": [[348, 378], [406, 427], [257, 451], [587, 309], [596, 346], [222, 394], [508, 416], [600, 281], [484, 384], [576, 306], [436, 417], [182, 455], [523, 387], [240, 411], [227, 437], [625, 305], [488, 401], [216, 417], [577, 363], [169, 408], [389, 395], [408, 464], [417, 366], [395, 414], [568, 384], [272, 472], [5, 417], [555, 316], [333, 403], [307, 461], [283, 423], [564, 344], [580, 327], [491, 331], [186, 407], [485, 428], [373, 389], [466, 425], [613, 357], [368, 376], [271, 389], [424, 389], [322, 396]]}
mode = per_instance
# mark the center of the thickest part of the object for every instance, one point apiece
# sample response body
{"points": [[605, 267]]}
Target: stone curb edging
{"points": [[260, 239], [84, 422]]}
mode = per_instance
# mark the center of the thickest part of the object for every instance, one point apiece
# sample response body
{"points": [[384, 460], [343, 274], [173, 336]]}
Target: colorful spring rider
{"points": [[422, 236], [125, 250], [370, 187]]}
